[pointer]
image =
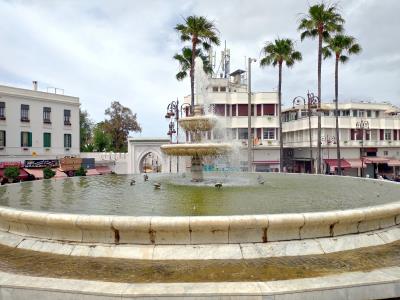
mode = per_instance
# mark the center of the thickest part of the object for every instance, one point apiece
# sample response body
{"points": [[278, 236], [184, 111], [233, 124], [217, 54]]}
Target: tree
{"points": [[86, 126], [338, 45], [198, 30], [101, 138], [321, 21], [185, 62], [275, 54], [48, 173], [121, 121]]}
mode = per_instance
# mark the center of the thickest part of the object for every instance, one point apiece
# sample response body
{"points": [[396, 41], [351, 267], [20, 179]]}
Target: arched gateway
{"points": [[145, 154]]}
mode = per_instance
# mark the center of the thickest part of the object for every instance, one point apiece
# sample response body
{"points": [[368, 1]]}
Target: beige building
{"points": [[37, 125], [369, 138]]}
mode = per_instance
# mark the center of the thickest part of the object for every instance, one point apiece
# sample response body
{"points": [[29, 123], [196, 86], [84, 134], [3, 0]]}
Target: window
{"points": [[26, 139], [259, 109], [269, 109], [242, 110], [46, 139], [2, 110], [67, 140], [369, 113], [385, 153], [269, 134], [388, 134], [46, 115], [243, 134], [219, 109], [215, 89], [67, 117], [355, 113], [24, 113], [233, 110], [377, 114], [2, 138], [222, 89]]}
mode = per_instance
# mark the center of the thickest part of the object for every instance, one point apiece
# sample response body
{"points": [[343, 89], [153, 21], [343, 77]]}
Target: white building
{"points": [[37, 125], [228, 98], [373, 146]]}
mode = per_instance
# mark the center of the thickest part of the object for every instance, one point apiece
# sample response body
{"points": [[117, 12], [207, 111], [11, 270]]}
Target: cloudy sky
{"points": [[120, 50]]}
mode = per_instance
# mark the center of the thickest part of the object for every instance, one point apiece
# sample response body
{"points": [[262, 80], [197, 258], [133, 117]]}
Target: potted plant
{"points": [[48, 173]]}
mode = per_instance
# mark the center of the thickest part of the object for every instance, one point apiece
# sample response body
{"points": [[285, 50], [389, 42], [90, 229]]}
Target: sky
{"points": [[102, 51]]}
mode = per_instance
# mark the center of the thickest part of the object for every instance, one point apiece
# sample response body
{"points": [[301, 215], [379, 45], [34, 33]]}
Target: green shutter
{"points": [[5, 134], [22, 138], [29, 139], [65, 141], [47, 140]]}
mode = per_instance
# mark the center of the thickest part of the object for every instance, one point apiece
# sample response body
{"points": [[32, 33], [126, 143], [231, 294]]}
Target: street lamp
{"points": [[312, 102], [173, 111], [315, 102], [249, 138], [362, 125]]}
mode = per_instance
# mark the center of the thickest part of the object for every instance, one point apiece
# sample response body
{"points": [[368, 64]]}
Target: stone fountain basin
{"points": [[192, 230], [206, 149], [198, 123]]}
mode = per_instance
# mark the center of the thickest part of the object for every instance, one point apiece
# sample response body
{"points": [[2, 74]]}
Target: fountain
{"points": [[197, 125]]}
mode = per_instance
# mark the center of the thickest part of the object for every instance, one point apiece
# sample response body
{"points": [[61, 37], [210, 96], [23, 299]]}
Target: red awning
{"points": [[375, 160], [59, 174], [103, 170], [355, 163], [38, 173], [394, 163], [22, 173], [333, 163], [90, 172]]}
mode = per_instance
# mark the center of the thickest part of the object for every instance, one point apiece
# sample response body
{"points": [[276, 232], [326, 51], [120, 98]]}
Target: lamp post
{"points": [[315, 101], [249, 137], [328, 139], [311, 102], [173, 110], [362, 125]]}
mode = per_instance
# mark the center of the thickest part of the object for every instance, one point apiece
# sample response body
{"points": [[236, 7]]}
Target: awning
{"points": [[333, 163], [375, 160], [103, 170], [90, 172], [38, 173], [22, 173], [355, 163], [59, 174], [266, 162], [394, 163]]}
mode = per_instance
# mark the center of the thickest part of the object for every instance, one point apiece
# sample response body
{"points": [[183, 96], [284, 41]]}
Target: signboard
{"points": [[10, 164], [52, 163]]}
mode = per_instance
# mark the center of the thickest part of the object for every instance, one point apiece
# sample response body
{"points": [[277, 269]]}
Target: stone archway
{"points": [[150, 162], [139, 148]]}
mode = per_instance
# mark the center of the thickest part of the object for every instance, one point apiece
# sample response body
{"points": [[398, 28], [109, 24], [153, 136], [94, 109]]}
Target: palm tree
{"points": [[198, 30], [276, 53], [185, 62], [338, 45], [321, 21]]}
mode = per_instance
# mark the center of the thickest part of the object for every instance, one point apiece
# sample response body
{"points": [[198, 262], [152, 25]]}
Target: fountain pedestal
{"points": [[197, 168]]}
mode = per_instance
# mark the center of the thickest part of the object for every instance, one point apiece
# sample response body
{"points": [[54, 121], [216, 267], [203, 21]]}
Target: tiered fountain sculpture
{"points": [[197, 126]]}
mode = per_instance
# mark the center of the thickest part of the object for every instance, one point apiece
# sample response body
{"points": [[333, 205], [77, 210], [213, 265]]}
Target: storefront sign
{"points": [[6, 164], [52, 163]]}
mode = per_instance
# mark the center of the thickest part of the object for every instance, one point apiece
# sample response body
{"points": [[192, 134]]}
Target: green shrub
{"points": [[11, 173], [48, 173], [80, 172]]}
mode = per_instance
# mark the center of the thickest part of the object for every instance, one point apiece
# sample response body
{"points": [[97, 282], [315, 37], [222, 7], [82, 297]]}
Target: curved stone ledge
{"points": [[197, 230]]}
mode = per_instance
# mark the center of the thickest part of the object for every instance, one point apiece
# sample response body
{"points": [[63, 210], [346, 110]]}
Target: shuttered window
{"points": [[2, 110], [47, 115], [67, 140], [24, 113], [67, 117], [26, 139], [2, 138], [47, 139]]}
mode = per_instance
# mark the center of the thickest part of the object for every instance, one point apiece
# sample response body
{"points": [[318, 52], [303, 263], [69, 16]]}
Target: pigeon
{"points": [[218, 185], [157, 185], [145, 177], [133, 181]]}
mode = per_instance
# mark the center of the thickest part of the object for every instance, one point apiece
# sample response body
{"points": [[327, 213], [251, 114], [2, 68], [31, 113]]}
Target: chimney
{"points": [[35, 84]]}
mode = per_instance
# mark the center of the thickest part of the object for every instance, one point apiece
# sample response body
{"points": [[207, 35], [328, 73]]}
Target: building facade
{"points": [[37, 125], [227, 98], [369, 135]]}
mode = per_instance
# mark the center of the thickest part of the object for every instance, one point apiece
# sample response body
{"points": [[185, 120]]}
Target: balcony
{"points": [[25, 120]]}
